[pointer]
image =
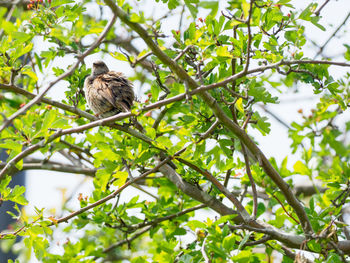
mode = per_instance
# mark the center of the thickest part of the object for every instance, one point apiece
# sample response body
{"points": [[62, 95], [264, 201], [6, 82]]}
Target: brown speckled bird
{"points": [[108, 92]]}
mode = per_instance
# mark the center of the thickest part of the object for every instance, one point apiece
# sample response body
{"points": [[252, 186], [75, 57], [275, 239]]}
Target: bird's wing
{"points": [[116, 89]]}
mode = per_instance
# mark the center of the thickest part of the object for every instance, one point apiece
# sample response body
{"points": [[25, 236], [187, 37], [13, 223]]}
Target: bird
{"points": [[108, 92]]}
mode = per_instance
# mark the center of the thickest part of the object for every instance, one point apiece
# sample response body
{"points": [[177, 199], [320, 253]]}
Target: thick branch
{"points": [[225, 120], [99, 202], [245, 215], [10, 165], [197, 194], [56, 167], [18, 90]]}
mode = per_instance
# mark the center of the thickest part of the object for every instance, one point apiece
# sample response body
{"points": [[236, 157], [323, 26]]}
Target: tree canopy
{"points": [[205, 74]]}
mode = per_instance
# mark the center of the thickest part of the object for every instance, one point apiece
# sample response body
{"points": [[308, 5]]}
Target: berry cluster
{"points": [[35, 3]]}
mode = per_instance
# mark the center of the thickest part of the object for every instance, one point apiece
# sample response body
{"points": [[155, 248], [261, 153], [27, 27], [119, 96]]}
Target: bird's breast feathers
{"points": [[109, 92]]}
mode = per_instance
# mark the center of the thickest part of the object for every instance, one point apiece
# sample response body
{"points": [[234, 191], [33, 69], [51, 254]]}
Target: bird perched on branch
{"points": [[108, 92]]}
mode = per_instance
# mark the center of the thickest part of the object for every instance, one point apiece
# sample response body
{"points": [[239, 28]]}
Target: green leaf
{"points": [[193, 9], [300, 168], [314, 21], [49, 118], [137, 18], [239, 105], [245, 8], [164, 141], [244, 240], [122, 177], [194, 224], [347, 53], [5, 182], [213, 5], [222, 51], [22, 37], [261, 94], [38, 62], [119, 56], [101, 179], [229, 242], [10, 144], [172, 4], [27, 70], [16, 195], [155, 92], [60, 2], [262, 125]]}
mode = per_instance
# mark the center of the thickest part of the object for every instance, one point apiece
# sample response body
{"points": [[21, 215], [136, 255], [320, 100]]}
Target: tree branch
{"points": [[225, 120], [241, 210], [99, 202], [55, 167], [38, 97], [10, 165]]}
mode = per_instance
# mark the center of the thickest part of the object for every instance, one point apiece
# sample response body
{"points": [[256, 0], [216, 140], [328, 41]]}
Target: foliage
{"points": [[202, 91]]}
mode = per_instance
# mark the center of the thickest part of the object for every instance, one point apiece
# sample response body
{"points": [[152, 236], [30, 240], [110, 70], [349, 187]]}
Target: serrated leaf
{"points": [[5, 182], [101, 179]]}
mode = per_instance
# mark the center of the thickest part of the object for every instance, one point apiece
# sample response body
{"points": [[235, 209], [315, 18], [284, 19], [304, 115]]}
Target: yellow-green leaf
{"points": [[30, 73], [245, 8], [301, 168], [119, 56], [121, 176], [239, 105]]}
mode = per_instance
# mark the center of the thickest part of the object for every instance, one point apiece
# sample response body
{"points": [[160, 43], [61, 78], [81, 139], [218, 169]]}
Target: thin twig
{"points": [[182, 52], [169, 217], [159, 118], [333, 34], [277, 118], [105, 199], [211, 129], [127, 240], [262, 240], [251, 179], [318, 11], [285, 210], [135, 185], [249, 36], [65, 107], [64, 168], [204, 254]]}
